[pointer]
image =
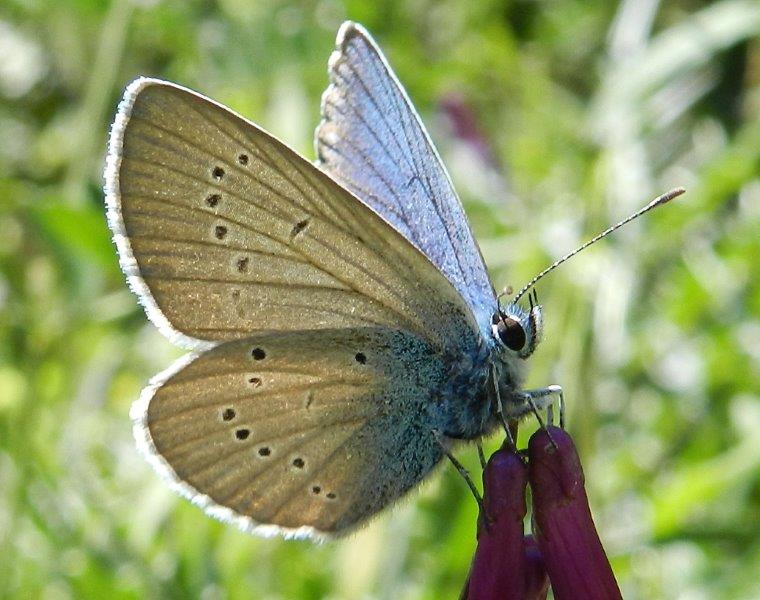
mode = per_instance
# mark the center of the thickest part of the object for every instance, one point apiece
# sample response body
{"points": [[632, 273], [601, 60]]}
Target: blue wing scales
{"points": [[372, 141]]}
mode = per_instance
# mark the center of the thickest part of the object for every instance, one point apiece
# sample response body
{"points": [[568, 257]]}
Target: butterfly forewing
{"points": [[372, 141], [224, 231], [306, 432]]}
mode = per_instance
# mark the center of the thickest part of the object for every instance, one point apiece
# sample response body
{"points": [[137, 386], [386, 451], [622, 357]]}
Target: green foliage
{"points": [[589, 108]]}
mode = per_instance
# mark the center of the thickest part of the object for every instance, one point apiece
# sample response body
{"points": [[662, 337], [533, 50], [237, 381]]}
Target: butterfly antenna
{"points": [[659, 201]]}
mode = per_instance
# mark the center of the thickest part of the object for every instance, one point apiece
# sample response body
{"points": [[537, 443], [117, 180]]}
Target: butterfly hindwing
{"points": [[373, 142], [300, 433]]}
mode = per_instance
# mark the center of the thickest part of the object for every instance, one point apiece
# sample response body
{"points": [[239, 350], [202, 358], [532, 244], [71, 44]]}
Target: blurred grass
{"points": [[586, 108]]}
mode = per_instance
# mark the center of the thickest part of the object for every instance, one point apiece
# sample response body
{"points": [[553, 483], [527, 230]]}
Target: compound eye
{"points": [[511, 333]]}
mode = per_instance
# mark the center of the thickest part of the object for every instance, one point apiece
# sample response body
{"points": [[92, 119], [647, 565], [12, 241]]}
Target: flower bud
{"points": [[498, 568], [562, 525], [536, 579]]}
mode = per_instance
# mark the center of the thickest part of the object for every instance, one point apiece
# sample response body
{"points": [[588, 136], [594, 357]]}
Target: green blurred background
{"points": [[555, 118]]}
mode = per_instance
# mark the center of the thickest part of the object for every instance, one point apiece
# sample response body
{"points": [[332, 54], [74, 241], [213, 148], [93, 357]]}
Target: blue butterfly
{"points": [[343, 328]]}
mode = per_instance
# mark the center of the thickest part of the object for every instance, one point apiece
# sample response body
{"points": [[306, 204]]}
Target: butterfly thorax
{"points": [[492, 372], [467, 406]]}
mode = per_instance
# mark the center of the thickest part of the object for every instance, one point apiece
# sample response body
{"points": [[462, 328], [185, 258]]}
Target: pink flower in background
{"points": [[464, 126]]}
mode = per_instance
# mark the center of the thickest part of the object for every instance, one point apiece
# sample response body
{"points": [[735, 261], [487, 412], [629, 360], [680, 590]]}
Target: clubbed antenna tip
{"points": [[660, 200]]}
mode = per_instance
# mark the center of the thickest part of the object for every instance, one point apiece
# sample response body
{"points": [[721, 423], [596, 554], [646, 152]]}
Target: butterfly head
{"points": [[519, 329]]}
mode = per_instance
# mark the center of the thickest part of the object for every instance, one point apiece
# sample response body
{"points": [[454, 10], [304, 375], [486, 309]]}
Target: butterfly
{"points": [[343, 327]]}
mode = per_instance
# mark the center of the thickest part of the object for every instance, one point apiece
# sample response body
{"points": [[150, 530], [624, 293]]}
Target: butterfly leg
{"points": [[542, 399], [548, 393], [560, 405], [481, 455], [462, 471], [500, 410]]}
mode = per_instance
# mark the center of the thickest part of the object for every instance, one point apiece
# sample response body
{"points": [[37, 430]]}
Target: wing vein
{"points": [[417, 138], [250, 142], [346, 259]]}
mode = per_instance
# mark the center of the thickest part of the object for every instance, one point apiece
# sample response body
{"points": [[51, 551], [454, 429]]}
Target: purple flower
{"points": [[562, 525], [566, 549], [464, 125], [536, 579], [499, 568]]}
